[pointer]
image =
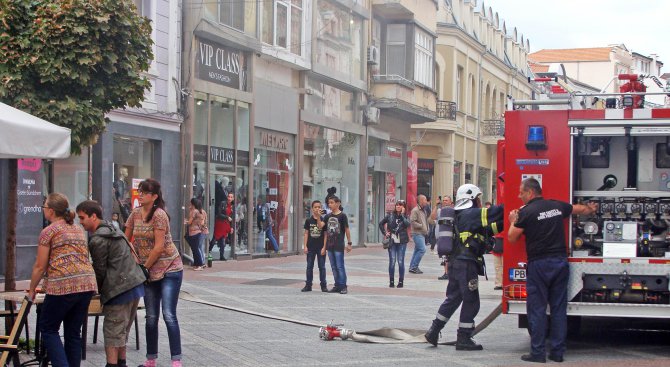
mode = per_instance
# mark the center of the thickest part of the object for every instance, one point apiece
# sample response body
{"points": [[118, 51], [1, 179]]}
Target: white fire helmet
{"points": [[465, 195]]}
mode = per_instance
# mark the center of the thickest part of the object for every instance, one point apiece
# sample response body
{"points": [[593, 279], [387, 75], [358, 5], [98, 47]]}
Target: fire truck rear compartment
{"points": [[627, 173], [624, 288]]}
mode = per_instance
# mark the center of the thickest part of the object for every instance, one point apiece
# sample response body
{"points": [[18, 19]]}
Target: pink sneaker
{"points": [[176, 363], [148, 363]]}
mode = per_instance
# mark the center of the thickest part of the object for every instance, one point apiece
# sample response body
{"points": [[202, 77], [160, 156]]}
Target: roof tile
{"points": [[572, 54]]}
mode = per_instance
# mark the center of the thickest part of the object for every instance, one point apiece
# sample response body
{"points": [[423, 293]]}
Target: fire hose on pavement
{"points": [[332, 331]]}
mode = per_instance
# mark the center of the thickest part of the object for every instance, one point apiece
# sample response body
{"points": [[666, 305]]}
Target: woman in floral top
{"points": [[149, 228], [69, 281], [197, 231]]}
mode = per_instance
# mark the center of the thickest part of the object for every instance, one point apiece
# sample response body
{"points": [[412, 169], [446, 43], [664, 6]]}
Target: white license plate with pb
{"points": [[517, 274]]}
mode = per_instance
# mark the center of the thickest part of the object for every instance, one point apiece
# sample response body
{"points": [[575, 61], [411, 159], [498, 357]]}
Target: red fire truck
{"points": [[607, 148]]}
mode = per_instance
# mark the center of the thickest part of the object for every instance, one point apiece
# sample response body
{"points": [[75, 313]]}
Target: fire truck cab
{"points": [[606, 148]]}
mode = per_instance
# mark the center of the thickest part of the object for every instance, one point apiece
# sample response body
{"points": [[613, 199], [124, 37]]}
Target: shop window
{"points": [[332, 156], [72, 177], [243, 129], [330, 101], [273, 162], [133, 162], [222, 134], [425, 172], [468, 173], [458, 166]]}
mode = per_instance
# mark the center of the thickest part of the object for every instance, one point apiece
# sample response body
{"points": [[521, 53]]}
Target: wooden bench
{"points": [[9, 346]]}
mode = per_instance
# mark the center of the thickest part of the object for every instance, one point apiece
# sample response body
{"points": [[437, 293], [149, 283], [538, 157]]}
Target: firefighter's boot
{"points": [[433, 333], [464, 340]]}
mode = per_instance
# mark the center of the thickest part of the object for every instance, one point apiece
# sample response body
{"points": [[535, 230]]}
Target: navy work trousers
{"points": [[547, 283], [463, 288]]}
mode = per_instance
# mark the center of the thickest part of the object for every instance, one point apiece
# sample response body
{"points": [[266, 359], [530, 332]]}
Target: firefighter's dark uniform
{"points": [[473, 225]]}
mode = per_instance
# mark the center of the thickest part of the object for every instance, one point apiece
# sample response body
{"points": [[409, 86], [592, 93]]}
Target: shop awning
{"points": [[26, 136]]}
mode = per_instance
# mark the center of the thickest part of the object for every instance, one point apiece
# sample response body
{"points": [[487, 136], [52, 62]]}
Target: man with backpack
{"points": [[120, 279], [472, 225]]}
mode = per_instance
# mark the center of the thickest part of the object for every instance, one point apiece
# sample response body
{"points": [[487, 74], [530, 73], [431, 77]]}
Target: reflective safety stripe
{"points": [[445, 234], [441, 318], [465, 235], [466, 325], [494, 228], [485, 217]]}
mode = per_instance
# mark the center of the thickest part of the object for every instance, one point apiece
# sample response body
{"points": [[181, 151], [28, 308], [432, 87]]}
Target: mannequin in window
{"points": [[239, 186], [241, 220], [219, 192], [198, 187], [227, 186], [120, 187]]}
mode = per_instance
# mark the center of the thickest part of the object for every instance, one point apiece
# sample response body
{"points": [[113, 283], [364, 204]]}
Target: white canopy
{"points": [[23, 135]]}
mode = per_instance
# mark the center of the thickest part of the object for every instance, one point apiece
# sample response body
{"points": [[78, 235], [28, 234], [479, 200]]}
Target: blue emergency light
{"points": [[536, 138]]}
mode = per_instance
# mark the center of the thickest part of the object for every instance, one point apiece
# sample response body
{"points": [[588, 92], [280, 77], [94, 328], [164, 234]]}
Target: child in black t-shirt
{"points": [[312, 243], [336, 227]]}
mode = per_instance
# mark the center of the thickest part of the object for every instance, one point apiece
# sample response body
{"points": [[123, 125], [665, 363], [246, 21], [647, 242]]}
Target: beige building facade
{"points": [[479, 62]]}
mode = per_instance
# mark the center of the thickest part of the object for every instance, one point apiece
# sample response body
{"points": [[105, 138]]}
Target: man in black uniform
{"points": [[472, 225], [547, 274]]}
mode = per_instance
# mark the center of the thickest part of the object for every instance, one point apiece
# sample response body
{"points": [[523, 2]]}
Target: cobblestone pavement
{"points": [[218, 337]]}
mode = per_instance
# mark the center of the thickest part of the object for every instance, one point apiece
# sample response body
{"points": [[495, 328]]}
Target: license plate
{"points": [[517, 274]]}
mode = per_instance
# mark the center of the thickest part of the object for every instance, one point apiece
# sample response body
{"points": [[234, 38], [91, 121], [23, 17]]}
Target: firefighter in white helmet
{"points": [[472, 225]]}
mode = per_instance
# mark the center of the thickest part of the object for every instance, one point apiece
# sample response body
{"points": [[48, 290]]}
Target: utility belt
{"points": [[471, 247]]}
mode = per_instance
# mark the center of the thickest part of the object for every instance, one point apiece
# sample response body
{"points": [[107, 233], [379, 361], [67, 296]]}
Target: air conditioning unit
{"points": [[373, 55], [372, 115]]}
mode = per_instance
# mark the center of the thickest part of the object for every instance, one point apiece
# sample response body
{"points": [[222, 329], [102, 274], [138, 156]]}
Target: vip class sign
{"points": [[219, 64]]}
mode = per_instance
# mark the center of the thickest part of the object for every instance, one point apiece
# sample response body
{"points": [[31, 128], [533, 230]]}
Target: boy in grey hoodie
{"points": [[120, 279]]}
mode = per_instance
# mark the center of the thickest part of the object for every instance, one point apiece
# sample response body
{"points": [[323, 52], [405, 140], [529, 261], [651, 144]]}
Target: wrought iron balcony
{"points": [[493, 127], [446, 110]]}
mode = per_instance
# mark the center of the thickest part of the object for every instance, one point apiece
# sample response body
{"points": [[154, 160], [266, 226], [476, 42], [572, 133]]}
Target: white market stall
{"points": [[23, 135]]}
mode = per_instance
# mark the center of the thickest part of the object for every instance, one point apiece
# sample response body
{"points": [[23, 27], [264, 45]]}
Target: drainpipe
{"points": [[475, 174]]}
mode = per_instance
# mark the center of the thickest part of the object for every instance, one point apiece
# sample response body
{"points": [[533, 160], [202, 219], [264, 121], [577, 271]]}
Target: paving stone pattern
{"points": [[218, 337]]}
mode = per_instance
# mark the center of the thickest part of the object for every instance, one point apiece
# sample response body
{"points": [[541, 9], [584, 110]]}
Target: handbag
{"points": [[145, 271], [386, 241]]}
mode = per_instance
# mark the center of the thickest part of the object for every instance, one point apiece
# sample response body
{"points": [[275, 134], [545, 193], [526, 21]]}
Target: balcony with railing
{"points": [[403, 99], [446, 110], [493, 127]]}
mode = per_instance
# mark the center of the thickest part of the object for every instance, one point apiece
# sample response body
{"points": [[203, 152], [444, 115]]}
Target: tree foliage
{"points": [[72, 61]]}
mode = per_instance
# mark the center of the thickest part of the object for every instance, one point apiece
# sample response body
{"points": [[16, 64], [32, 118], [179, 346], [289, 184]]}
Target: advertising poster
{"points": [[29, 217], [390, 198], [412, 164], [133, 193]]}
